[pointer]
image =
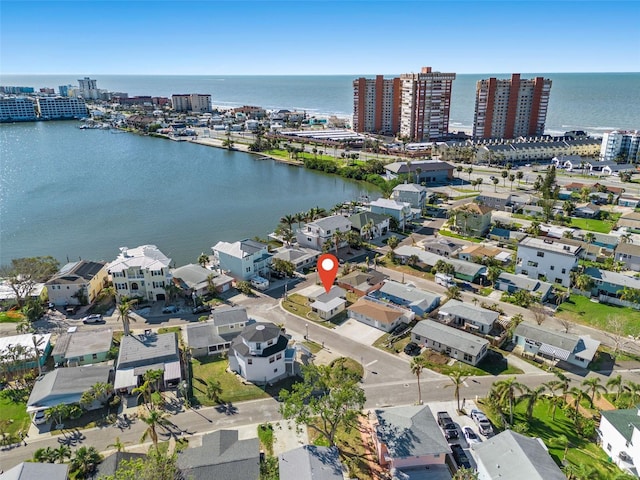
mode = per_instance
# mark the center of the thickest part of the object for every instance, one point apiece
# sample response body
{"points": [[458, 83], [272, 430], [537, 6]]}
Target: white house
{"points": [[214, 336], [401, 211], [462, 346], [243, 260], [468, 316], [195, 279], [259, 353], [141, 272], [315, 234], [415, 195], [329, 304], [379, 314], [619, 434], [550, 258]]}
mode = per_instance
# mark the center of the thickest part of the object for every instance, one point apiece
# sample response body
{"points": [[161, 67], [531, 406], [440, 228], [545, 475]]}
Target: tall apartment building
{"points": [[88, 88], [51, 108], [376, 105], [511, 108], [425, 104], [192, 102], [17, 109], [621, 145]]}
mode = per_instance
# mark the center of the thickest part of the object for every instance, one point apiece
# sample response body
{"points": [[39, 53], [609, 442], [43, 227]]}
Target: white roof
{"points": [[147, 257], [125, 378], [390, 204], [25, 340], [328, 305]]}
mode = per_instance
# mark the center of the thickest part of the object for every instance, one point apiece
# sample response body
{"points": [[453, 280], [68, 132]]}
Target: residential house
{"points": [[110, 464], [411, 193], [141, 272], [66, 386], [315, 234], [587, 210], [329, 304], [513, 456], [472, 219], [468, 316], [619, 433], [259, 353], [552, 259], [362, 283], [194, 279], [243, 260], [471, 253], [430, 172], [214, 336], [301, 258], [629, 254], [310, 462], [369, 225], [610, 284], [419, 301], [150, 351], [466, 271], [630, 221], [443, 246], [401, 211], [77, 283], [537, 340], [508, 282], [222, 455], [408, 436], [628, 201], [464, 347], [37, 471], [495, 200], [378, 314], [606, 241], [76, 348], [23, 345]]}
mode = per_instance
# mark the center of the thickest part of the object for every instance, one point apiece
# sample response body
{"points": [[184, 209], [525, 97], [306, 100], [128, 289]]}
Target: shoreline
{"points": [[241, 147]]}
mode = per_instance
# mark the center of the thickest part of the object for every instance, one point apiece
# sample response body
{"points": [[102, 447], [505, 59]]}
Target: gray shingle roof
{"points": [[332, 223], [36, 471], [110, 464], [260, 332], [310, 462], [410, 431], [138, 350], [561, 340], [452, 337], [81, 343], [358, 220], [613, 278], [414, 296], [511, 456], [204, 334], [424, 165], [229, 316], [469, 312]]}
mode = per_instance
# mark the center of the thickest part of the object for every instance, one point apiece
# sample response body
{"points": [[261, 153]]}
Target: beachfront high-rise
{"points": [[88, 88], [426, 100], [621, 146], [191, 102], [17, 109], [376, 105], [510, 108]]}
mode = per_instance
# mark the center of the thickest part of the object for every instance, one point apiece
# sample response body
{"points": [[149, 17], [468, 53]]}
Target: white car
{"points": [[39, 417], [95, 318], [471, 436]]}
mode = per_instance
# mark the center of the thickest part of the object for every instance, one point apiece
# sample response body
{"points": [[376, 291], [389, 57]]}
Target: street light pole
{"points": [[306, 337]]}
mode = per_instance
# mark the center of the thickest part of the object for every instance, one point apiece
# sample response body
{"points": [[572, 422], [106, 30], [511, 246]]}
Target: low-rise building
{"points": [[141, 272], [214, 336], [552, 259], [414, 194], [466, 271], [419, 301], [462, 346], [629, 254], [315, 234], [610, 284], [35, 471], [77, 283], [472, 219], [77, 348], [378, 314], [619, 437], [194, 279], [329, 304], [300, 257], [430, 172], [468, 316], [630, 221], [512, 456], [243, 260], [369, 225], [18, 351], [540, 341], [311, 462], [401, 211], [496, 200], [475, 252], [362, 283], [443, 246], [508, 282]]}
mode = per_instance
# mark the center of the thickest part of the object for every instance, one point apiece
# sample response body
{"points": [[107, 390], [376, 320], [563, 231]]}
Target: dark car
{"points": [[170, 309], [460, 456], [448, 427], [201, 309], [412, 349]]}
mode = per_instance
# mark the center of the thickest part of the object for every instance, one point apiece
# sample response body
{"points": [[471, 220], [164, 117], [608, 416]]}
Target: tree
{"points": [[554, 403], [504, 174], [539, 313], [534, 229], [44, 455], [617, 383], [23, 274], [338, 237], [203, 259], [519, 176], [569, 207], [154, 418], [465, 474], [393, 242], [595, 387], [227, 142], [495, 184], [57, 413], [288, 220], [630, 295], [567, 324], [457, 381], [84, 461], [512, 178], [118, 445], [583, 282], [124, 314], [330, 395], [60, 454], [413, 260], [633, 389], [564, 383], [453, 293], [532, 395], [444, 267], [506, 393], [469, 171], [417, 365], [155, 466], [213, 390], [577, 395], [244, 287], [283, 266], [615, 331]]}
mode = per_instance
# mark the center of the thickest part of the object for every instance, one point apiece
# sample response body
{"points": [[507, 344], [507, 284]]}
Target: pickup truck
{"points": [[448, 427], [484, 425]]}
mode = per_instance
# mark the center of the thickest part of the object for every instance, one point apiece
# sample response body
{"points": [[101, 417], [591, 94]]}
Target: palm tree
{"points": [[504, 174], [393, 242], [417, 365], [60, 453], [564, 382], [288, 220], [203, 259], [519, 176], [512, 178], [338, 238], [453, 293], [457, 380], [493, 273], [469, 171], [595, 387], [154, 419], [300, 217], [506, 391], [532, 396], [634, 392], [616, 382], [577, 395], [43, 455], [124, 314], [213, 390], [495, 184], [118, 445], [583, 282], [555, 402], [84, 461]]}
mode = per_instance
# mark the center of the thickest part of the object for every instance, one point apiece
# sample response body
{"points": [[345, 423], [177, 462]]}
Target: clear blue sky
{"points": [[318, 37]]}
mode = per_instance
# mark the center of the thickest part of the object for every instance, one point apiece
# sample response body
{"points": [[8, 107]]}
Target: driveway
{"points": [[359, 332]]}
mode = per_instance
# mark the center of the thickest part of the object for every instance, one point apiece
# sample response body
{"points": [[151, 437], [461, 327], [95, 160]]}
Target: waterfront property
{"points": [[77, 283], [414, 194], [619, 437], [462, 346], [369, 225], [552, 259], [194, 279], [419, 301], [539, 341], [468, 316], [58, 108], [318, 232], [141, 272], [401, 211], [214, 336], [243, 260], [431, 172], [619, 144], [76, 348], [301, 257], [17, 109], [378, 314]]}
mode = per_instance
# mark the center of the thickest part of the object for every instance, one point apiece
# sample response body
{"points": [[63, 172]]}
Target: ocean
{"points": [[595, 102]]}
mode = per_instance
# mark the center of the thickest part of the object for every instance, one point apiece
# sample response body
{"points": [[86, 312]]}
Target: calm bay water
{"points": [[75, 193]]}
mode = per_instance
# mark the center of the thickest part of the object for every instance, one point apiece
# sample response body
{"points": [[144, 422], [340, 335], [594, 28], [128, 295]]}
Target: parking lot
{"points": [[359, 332]]}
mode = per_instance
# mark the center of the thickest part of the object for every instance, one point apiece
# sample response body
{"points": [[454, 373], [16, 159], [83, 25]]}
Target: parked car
{"points": [[70, 309], [39, 417], [170, 309], [484, 425], [412, 349], [448, 427], [205, 308], [460, 456], [470, 436], [95, 318]]}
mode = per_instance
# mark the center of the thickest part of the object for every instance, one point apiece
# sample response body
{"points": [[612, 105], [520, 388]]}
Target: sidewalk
{"points": [[526, 367]]}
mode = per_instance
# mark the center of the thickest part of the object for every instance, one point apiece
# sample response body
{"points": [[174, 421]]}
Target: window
{"points": [[275, 370], [564, 270], [552, 267], [250, 361], [248, 269], [94, 356], [278, 356], [272, 359], [270, 342], [468, 358], [81, 358], [608, 447], [540, 254], [258, 346]]}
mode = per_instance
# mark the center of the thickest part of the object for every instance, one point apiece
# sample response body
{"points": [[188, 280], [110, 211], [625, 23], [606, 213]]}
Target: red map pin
{"points": [[327, 269]]}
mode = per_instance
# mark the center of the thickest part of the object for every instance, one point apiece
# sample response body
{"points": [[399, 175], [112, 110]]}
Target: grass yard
{"points": [[13, 413], [299, 305], [580, 451], [349, 364], [12, 316], [581, 310], [449, 233], [593, 225], [398, 346], [177, 330], [493, 364], [233, 390], [265, 434]]}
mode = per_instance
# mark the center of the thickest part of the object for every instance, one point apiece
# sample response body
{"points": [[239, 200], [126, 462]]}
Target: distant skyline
{"points": [[317, 37]]}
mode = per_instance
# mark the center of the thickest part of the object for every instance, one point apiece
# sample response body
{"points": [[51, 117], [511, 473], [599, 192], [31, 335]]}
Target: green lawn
{"points": [[13, 411], [448, 233], [398, 346], [581, 451], [599, 226], [12, 316], [233, 390], [265, 434], [299, 305], [580, 309], [493, 364]]}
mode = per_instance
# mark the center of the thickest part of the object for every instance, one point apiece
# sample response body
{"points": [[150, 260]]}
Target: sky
{"points": [[317, 37]]}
